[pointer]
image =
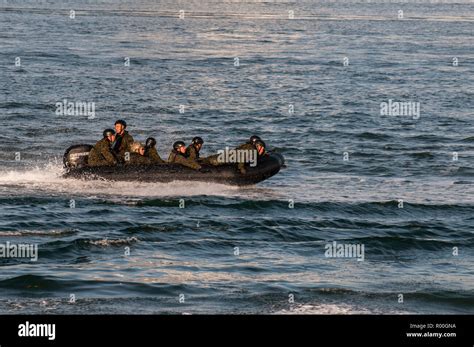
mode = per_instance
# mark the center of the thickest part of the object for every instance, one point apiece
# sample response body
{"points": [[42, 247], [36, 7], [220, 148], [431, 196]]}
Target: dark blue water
{"points": [[191, 253]]}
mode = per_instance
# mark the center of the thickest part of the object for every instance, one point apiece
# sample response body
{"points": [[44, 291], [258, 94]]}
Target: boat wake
{"points": [[48, 180]]}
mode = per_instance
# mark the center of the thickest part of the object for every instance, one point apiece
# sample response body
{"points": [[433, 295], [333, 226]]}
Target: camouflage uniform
{"points": [[152, 154], [179, 158], [137, 159], [101, 154], [248, 147], [192, 153], [212, 160], [125, 143]]}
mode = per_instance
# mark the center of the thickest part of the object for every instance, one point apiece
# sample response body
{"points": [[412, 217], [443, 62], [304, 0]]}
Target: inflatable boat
{"points": [[75, 162]]}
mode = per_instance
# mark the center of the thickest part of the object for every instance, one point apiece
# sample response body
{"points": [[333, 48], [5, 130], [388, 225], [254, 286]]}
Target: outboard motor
{"points": [[76, 156]]}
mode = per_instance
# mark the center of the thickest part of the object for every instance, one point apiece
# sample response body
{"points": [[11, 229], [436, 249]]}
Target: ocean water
{"points": [[400, 185]]}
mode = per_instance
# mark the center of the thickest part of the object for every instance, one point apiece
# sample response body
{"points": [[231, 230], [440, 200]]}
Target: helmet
{"points": [[197, 141], [178, 144], [108, 132], [254, 138], [121, 121], [150, 142], [135, 147]]}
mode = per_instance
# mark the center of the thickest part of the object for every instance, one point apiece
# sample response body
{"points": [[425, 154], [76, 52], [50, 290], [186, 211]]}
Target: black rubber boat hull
{"points": [[267, 167]]}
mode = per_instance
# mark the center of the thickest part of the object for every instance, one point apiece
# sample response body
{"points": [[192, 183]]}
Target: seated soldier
{"points": [[151, 152], [123, 140], [101, 154], [192, 151], [249, 145], [177, 155], [137, 155], [258, 145]]}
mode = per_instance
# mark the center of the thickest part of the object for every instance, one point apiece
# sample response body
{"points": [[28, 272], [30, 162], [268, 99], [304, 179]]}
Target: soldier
{"points": [[192, 152], [151, 152], [123, 140], [249, 146], [251, 143], [137, 155], [255, 144], [101, 154], [177, 155]]}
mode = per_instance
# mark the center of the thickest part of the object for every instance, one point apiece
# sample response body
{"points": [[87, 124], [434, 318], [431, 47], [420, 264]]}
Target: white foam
{"points": [[47, 173], [323, 309], [48, 179], [36, 232], [343, 308], [110, 242]]}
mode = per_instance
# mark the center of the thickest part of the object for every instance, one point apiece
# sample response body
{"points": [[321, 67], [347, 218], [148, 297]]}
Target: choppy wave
{"points": [[401, 187], [109, 242], [29, 233]]}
